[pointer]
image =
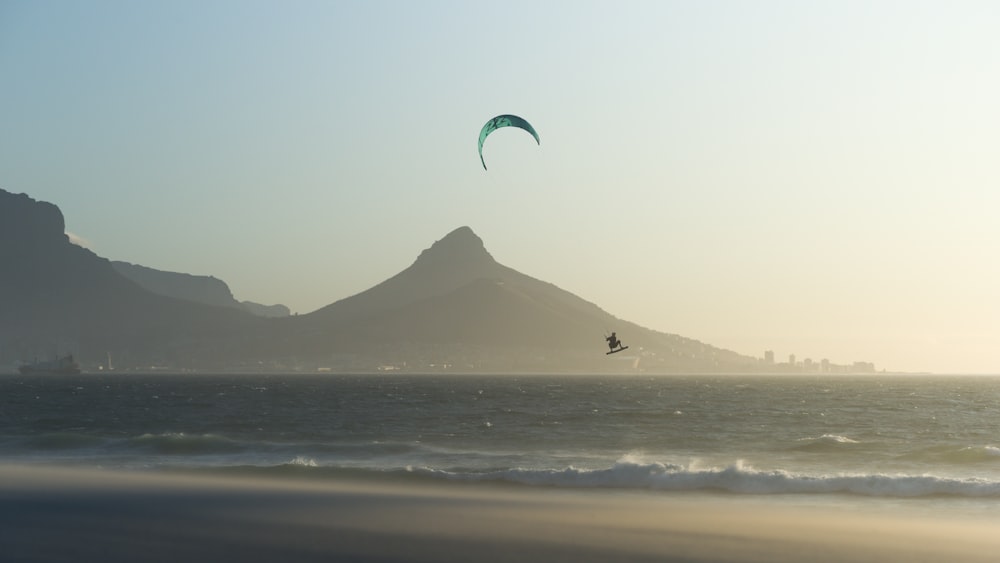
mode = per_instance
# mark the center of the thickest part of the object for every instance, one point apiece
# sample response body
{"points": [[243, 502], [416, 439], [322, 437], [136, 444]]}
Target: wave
{"points": [[300, 468], [182, 443], [196, 446], [631, 474], [824, 443], [736, 478]]}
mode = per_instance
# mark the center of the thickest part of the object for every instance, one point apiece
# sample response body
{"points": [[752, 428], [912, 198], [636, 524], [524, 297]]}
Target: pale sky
{"points": [[812, 178]]}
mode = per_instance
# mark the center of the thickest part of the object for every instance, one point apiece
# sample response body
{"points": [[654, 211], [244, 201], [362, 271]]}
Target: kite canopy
{"points": [[503, 121]]}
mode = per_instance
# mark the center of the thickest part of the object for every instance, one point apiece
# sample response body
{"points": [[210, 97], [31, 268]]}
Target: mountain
{"points": [[455, 308], [199, 289], [457, 305], [278, 310], [56, 297]]}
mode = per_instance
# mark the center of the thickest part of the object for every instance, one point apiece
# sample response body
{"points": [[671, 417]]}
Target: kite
{"points": [[503, 121]]}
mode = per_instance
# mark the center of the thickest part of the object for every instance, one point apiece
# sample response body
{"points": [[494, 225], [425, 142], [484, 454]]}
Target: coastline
{"points": [[59, 514]]}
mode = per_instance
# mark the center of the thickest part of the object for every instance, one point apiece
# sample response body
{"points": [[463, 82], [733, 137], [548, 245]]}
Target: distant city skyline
{"points": [[816, 177], [823, 365]]}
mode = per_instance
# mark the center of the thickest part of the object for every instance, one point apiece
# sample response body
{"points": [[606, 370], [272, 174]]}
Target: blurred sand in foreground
{"points": [[51, 514]]}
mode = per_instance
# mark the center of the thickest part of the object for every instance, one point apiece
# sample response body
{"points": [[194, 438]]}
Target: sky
{"points": [[811, 178]]}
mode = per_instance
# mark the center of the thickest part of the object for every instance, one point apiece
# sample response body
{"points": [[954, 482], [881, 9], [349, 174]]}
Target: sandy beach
{"points": [[88, 515]]}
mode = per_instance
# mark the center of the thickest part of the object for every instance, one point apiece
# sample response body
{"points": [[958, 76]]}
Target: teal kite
{"points": [[503, 121]]}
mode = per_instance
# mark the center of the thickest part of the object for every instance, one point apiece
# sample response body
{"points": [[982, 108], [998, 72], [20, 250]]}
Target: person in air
{"points": [[613, 341]]}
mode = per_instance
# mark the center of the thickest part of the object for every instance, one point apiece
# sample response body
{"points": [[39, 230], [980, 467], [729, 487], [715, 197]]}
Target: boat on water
{"points": [[65, 365]]}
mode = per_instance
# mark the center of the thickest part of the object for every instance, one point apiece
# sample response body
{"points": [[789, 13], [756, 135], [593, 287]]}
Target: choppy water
{"points": [[874, 436]]}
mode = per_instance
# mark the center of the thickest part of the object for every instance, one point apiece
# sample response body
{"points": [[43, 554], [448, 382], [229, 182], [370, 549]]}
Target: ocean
{"points": [[930, 442]]}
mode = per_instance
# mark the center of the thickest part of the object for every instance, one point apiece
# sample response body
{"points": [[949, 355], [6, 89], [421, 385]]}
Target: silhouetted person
{"points": [[613, 342]]}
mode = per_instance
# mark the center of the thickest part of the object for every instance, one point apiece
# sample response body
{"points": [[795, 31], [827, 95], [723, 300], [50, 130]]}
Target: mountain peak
{"points": [[460, 245], [27, 223]]}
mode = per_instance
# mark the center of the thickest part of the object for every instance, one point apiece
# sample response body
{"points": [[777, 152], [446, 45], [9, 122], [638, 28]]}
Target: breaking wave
{"points": [[825, 443], [736, 478]]}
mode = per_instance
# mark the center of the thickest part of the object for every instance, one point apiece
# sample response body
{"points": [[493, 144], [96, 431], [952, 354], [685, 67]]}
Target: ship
{"points": [[65, 365]]}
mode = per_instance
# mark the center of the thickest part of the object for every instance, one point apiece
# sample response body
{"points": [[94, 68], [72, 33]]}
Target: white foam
{"points": [[838, 439], [735, 478], [303, 461]]}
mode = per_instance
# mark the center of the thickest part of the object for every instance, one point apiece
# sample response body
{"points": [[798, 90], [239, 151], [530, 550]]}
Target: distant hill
{"points": [[265, 310], [56, 297], [457, 305], [199, 289], [455, 308]]}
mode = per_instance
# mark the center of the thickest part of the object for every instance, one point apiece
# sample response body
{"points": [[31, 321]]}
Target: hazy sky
{"points": [[816, 178]]}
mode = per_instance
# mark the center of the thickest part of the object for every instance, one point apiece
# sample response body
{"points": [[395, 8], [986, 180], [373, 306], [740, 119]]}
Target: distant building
{"points": [[863, 367], [768, 356], [791, 359]]}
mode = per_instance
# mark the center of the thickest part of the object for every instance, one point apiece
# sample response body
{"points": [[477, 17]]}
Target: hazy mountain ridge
{"points": [[276, 310], [57, 297], [454, 308], [435, 272], [456, 297], [458, 259], [207, 290]]}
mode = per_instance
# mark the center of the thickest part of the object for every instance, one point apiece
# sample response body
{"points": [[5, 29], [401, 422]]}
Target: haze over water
{"points": [[927, 442]]}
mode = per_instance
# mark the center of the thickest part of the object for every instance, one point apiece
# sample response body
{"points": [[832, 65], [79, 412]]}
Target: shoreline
{"points": [[59, 514]]}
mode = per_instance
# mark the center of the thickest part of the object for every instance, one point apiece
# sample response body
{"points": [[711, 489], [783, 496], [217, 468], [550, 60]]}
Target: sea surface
{"points": [[930, 442]]}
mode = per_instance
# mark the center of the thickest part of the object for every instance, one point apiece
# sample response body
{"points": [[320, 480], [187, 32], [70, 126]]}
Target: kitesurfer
{"points": [[613, 342]]}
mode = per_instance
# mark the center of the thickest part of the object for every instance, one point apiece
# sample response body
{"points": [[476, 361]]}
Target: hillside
{"points": [[454, 308], [207, 290], [457, 305], [56, 297]]}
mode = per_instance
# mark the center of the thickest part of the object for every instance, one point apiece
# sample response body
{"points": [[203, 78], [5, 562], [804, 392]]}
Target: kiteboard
{"points": [[618, 350]]}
